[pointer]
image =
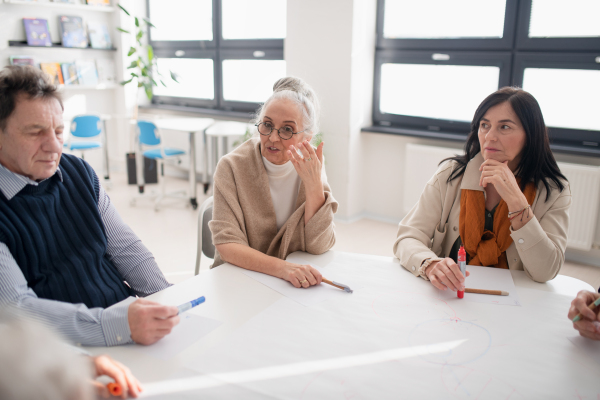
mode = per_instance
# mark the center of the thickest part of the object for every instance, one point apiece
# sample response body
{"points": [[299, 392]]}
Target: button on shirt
{"points": [[90, 327]]}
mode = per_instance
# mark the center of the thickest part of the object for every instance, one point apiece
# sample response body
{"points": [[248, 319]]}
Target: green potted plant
{"points": [[143, 71], [143, 68]]}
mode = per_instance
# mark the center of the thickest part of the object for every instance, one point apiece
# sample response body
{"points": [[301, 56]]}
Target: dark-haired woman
{"points": [[505, 200]]}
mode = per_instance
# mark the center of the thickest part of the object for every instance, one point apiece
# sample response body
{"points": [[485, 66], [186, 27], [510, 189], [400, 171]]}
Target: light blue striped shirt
{"points": [[82, 325]]}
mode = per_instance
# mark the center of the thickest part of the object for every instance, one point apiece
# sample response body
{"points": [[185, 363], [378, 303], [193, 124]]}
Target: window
{"points": [[436, 60], [227, 53]]}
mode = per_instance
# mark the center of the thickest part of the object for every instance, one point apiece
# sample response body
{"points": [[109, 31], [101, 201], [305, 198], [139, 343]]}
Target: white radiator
{"points": [[421, 162], [583, 214]]}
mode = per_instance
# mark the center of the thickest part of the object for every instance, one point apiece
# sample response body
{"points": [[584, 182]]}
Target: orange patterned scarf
{"points": [[485, 247]]}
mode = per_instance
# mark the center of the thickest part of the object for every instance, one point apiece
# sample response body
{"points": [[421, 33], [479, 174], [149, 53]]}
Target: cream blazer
{"points": [[430, 229], [243, 210]]}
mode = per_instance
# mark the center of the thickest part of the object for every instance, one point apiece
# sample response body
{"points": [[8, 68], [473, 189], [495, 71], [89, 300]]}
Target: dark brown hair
{"points": [[17, 80], [537, 161]]}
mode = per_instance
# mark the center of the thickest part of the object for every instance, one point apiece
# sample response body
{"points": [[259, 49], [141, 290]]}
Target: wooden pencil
{"points": [[337, 285], [591, 306], [483, 291], [327, 281]]}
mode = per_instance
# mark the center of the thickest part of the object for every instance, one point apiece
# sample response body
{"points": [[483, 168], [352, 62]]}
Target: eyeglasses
{"points": [[286, 132]]}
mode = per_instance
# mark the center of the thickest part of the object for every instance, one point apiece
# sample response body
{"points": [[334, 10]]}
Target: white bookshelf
{"points": [[62, 5], [105, 98]]}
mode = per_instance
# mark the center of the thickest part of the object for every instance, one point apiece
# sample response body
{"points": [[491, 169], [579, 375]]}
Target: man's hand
{"points": [[149, 321], [589, 325], [104, 365]]}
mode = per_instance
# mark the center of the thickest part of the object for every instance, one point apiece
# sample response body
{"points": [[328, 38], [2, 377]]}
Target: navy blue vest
{"points": [[55, 233]]}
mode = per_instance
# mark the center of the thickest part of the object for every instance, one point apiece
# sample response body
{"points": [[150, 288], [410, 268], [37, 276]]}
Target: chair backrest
{"points": [[148, 133], [86, 126], [205, 243]]}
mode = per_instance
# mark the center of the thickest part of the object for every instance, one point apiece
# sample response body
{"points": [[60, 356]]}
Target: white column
{"points": [[331, 44]]}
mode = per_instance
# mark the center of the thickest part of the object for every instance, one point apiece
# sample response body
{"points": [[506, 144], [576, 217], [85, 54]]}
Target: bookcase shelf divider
{"points": [[62, 5]]}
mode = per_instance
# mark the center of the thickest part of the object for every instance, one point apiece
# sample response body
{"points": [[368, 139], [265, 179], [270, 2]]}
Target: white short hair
{"points": [[36, 365], [301, 94]]}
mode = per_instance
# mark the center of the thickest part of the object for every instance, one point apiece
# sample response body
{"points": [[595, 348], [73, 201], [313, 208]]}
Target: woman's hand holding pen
{"points": [[104, 365], [589, 325], [301, 276], [445, 274]]}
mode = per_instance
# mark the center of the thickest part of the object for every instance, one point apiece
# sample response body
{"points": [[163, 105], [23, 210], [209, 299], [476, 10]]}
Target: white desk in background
{"points": [[381, 342], [217, 140], [191, 126]]}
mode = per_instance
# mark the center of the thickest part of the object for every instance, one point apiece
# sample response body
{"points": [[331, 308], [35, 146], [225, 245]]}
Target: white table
{"points": [[502, 358], [217, 139], [191, 126]]}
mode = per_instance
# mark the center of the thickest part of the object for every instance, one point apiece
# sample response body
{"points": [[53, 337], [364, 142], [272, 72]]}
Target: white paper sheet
{"points": [[590, 347], [190, 328], [311, 295], [490, 279]]}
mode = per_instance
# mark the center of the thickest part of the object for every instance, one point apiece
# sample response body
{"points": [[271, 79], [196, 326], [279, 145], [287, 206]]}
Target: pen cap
{"points": [[462, 255]]}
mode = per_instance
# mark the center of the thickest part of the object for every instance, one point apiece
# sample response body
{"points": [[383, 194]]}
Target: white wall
{"points": [[331, 44]]}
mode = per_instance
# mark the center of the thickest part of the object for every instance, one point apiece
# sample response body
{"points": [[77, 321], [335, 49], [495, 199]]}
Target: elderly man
{"points": [[66, 257]]}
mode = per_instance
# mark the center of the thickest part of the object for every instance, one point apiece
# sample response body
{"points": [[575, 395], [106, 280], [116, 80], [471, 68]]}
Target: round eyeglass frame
{"points": [[278, 131]]}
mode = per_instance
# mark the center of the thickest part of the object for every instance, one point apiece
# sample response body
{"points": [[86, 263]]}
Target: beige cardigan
{"points": [[243, 211], [430, 229]]}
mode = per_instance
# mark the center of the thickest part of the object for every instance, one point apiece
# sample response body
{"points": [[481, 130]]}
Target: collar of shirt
{"points": [[12, 183]]}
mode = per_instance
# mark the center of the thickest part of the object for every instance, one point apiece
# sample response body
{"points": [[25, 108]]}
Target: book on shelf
{"points": [[98, 2], [99, 36], [73, 31], [86, 72], [107, 73], [53, 69], [22, 60], [37, 32], [69, 73]]}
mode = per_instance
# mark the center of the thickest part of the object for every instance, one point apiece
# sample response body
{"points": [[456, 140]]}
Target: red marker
{"points": [[114, 389], [462, 263]]}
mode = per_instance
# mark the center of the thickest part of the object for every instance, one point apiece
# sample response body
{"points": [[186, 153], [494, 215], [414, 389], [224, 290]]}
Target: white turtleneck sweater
{"points": [[284, 183]]}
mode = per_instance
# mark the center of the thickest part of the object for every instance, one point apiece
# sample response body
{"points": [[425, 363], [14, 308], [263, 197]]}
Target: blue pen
{"points": [[189, 305]]}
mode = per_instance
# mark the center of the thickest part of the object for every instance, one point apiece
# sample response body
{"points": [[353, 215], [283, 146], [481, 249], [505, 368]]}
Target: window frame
{"points": [[218, 49], [525, 43], [505, 43], [188, 101], [246, 54], [560, 136], [185, 44], [500, 59], [523, 52]]}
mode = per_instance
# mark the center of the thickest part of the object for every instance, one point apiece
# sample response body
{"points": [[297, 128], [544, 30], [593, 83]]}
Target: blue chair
{"points": [[87, 127], [149, 136]]}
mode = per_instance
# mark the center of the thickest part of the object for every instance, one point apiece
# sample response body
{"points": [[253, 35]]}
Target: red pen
{"points": [[462, 263]]}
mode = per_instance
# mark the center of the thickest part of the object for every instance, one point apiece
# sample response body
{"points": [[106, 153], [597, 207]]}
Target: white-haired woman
{"points": [[271, 196]]}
